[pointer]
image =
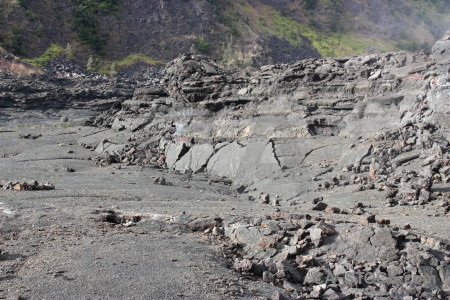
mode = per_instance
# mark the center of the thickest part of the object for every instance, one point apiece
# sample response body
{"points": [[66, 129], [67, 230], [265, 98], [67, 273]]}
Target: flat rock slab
{"points": [[195, 159], [245, 163]]}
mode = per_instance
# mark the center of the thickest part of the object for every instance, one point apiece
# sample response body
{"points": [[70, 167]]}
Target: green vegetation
{"points": [[57, 8], [52, 52], [4, 7], [15, 43], [30, 15], [22, 3], [84, 16], [202, 44], [327, 44], [412, 45], [109, 68], [134, 58], [439, 5], [310, 4], [327, 26], [230, 22]]}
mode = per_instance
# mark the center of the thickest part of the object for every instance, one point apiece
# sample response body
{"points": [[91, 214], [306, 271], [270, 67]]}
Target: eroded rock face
{"points": [[368, 116], [441, 51], [44, 91]]}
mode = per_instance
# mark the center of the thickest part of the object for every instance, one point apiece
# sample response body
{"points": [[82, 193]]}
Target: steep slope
{"points": [[238, 32]]}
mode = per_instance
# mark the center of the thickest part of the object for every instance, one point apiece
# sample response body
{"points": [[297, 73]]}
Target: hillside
{"points": [[237, 32]]}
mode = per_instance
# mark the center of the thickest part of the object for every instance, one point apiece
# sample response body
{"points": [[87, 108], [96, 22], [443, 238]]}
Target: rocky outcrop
{"points": [[288, 117], [44, 91]]}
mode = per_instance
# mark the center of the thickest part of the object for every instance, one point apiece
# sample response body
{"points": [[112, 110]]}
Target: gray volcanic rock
{"points": [[441, 51], [244, 163], [364, 115], [44, 91], [195, 159], [335, 150]]}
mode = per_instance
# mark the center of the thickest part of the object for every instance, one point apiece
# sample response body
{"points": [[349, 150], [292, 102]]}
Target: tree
{"points": [[310, 4]]}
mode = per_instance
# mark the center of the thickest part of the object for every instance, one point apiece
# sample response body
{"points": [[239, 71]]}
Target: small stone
{"points": [[330, 294], [406, 227], [424, 196], [320, 206], [333, 210], [20, 186], [129, 224], [64, 119], [186, 186], [264, 199], [335, 180], [317, 200], [291, 287], [47, 186], [243, 265], [216, 231], [394, 270], [267, 242], [307, 260], [316, 236], [369, 219], [384, 221], [268, 277], [240, 189]]}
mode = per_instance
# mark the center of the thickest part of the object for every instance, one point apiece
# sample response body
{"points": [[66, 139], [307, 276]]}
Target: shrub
{"points": [[15, 44], [52, 52], [202, 44], [22, 3], [84, 18], [30, 15], [134, 58], [310, 4], [111, 67]]}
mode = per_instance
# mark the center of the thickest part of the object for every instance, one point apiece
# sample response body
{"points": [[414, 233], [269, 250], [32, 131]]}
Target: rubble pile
{"points": [[311, 258], [27, 186], [45, 92], [62, 67], [63, 83], [142, 73]]}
